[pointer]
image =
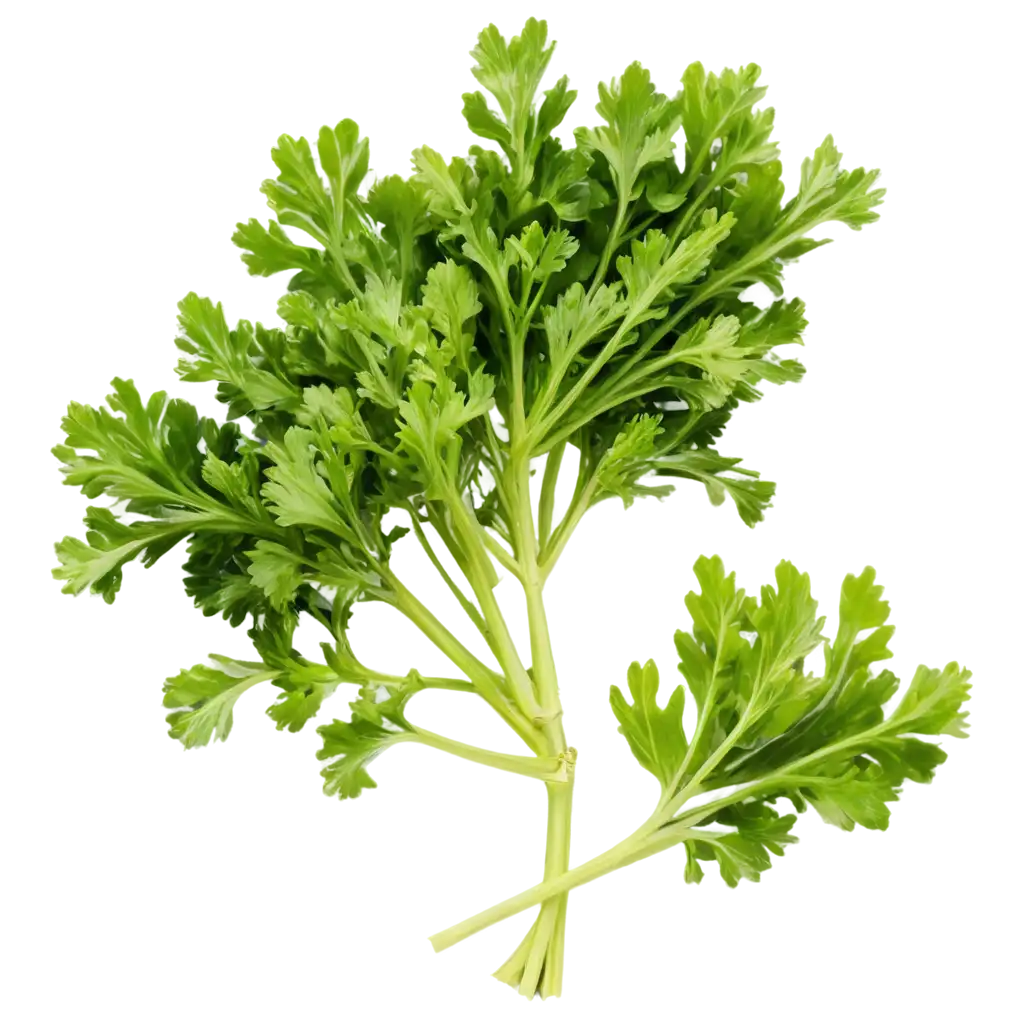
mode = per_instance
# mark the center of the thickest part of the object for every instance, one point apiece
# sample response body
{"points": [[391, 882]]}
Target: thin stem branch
{"points": [[610, 245], [482, 578], [468, 607], [577, 509], [702, 719], [643, 843], [555, 770], [490, 685], [548, 491]]}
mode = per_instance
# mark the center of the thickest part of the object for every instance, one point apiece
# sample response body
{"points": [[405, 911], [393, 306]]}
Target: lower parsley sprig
{"points": [[767, 731]]}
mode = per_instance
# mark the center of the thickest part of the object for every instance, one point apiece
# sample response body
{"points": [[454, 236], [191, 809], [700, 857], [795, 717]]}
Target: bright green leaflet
{"points": [[443, 336]]}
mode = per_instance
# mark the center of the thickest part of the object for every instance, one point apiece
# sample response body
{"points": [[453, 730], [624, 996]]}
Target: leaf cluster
{"points": [[440, 332], [767, 728]]}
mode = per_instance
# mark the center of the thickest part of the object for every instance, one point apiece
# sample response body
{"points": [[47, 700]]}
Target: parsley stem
{"points": [[582, 382], [479, 571], [511, 971], [551, 984], [722, 278], [471, 610], [843, 646], [537, 963], [554, 770], [617, 393], [546, 508], [577, 509], [706, 711], [691, 210], [642, 843], [496, 463], [341, 265], [780, 775], [751, 713], [639, 229], [488, 683], [545, 678], [610, 245]]}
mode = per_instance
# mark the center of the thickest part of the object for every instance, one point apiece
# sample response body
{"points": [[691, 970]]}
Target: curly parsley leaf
{"points": [[378, 722], [208, 693], [238, 359], [164, 463], [206, 698], [331, 213], [655, 735], [640, 123]]}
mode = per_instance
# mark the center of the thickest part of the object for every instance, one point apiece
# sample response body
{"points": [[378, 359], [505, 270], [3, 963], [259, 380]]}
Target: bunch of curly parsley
{"points": [[443, 333]]}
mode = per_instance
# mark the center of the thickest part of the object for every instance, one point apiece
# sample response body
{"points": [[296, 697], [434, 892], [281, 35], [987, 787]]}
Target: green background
{"points": [[139, 886]]}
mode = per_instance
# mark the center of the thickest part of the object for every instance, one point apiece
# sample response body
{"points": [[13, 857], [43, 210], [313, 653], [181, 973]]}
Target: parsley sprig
{"points": [[440, 335], [766, 730]]}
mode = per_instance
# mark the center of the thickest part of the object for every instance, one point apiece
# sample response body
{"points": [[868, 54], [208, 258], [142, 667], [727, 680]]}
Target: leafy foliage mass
{"points": [[439, 334]]}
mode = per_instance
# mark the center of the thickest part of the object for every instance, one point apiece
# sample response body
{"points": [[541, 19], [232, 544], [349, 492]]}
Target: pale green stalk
{"points": [[553, 770], [490, 685], [638, 846]]}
